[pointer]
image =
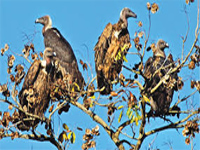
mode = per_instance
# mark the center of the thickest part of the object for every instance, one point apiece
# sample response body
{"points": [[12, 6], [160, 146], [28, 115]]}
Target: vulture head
{"points": [[48, 58], [125, 14], [160, 47], [46, 21]]}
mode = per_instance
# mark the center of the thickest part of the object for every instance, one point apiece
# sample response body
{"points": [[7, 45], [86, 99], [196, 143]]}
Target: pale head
{"points": [[125, 14], [46, 21], [48, 56], [160, 47]]}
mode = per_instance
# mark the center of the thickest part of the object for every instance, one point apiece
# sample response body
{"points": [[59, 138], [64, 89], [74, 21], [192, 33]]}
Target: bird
{"points": [[155, 69], [64, 52], [34, 96], [110, 51]]}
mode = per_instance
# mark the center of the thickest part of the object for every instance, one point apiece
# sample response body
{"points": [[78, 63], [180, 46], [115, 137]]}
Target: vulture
{"points": [[34, 96], [155, 69], [110, 51], [67, 60]]}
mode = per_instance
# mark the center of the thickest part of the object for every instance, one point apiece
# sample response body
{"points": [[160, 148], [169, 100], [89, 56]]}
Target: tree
{"points": [[126, 119]]}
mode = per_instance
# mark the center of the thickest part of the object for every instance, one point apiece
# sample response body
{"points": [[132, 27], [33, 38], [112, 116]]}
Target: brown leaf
{"points": [[79, 128], [87, 131], [9, 70], [41, 54], [136, 40], [10, 107], [85, 67], [3, 88], [154, 8], [153, 47], [191, 65], [192, 84], [12, 78], [49, 132], [113, 93], [140, 24], [140, 34], [2, 51], [11, 60], [81, 62], [92, 144], [187, 141], [6, 47], [148, 6], [123, 98], [60, 138], [51, 108], [32, 47]]}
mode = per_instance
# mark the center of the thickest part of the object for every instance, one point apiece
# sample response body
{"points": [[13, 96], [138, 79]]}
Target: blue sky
{"points": [[81, 23]]}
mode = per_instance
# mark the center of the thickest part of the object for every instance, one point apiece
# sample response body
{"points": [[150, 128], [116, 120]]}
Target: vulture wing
{"points": [[110, 52], [35, 94], [100, 52], [64, 52], [162, 97]]}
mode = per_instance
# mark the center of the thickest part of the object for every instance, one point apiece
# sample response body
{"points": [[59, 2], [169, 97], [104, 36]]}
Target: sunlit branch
{"points": [[172, 125]]}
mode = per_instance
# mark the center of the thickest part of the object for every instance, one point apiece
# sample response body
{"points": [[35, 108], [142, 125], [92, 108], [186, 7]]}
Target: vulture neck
{"points": [[159, 53], [123, 22], [47, 26]]}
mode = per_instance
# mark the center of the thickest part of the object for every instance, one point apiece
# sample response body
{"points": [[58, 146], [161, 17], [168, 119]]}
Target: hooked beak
{"points": [[40, 20], [167, 45], [132, 14], [54, 54]]}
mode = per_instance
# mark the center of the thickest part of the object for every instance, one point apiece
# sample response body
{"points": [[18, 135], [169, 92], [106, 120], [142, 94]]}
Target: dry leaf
{"points": [[140, 24], [51, 108], [136, 40], [154, 8], [148, 6], [113, 93]]}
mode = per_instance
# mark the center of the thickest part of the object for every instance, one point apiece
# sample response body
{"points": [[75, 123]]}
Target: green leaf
{"points": [[132, 118], [136, 121], [65, 136], [91, 104], [77, 86], [124, 58], [92, 97], [120, 107], [130, 114], [128, 111], [146, 99], [126, 46], [120, 116], [69, 135], [73, 138]]}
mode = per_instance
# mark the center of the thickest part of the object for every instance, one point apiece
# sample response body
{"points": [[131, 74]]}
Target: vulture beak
{"points": [[40, 20], [54, 54], [131, 14], [167, 45]]}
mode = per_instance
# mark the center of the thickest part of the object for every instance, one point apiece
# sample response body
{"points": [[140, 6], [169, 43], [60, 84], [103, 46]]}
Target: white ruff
{"points": [[43, 63], [117, 34], [49, 25]]}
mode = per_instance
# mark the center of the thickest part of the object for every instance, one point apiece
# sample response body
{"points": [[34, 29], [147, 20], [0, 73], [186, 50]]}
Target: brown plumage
{"points": [[54, 39], [110, 51], [34, 96], [161, 99]]}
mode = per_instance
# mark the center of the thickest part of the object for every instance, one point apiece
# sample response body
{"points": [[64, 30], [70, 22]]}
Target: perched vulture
{"points": [[156, 68], [34, 96], [54, 39], [110, 51]]}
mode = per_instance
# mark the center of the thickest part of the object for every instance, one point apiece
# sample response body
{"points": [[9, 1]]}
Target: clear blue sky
{"points": [[81, 23]]}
